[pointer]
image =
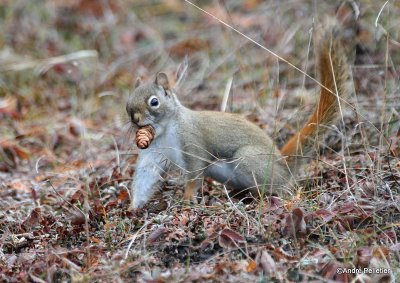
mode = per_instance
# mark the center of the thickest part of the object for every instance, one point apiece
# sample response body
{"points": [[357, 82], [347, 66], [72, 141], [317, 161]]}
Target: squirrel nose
{"points": [[135, 117]]}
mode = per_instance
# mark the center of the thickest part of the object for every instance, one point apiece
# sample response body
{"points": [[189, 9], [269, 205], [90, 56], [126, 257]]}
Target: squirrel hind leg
{"points": [[220, 171], [258, 174]]}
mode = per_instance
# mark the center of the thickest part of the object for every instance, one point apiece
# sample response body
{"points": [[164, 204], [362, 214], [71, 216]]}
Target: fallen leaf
{"points": [[230, 239], [33, 218], [279, 254], [324, 214], [295, 224], [14, 150], [155, 235], [209, 242], [251, 266], [78, 218], [21, 152], [77, 197]]}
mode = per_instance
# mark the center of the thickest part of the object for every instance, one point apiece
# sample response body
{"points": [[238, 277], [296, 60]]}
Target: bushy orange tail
{"points": [[335, 76]]}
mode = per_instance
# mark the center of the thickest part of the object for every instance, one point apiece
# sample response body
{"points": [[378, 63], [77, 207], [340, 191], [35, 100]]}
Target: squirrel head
{"points": [[149, 103]]}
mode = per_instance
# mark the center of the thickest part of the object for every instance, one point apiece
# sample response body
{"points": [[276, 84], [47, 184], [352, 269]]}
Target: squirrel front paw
{"points": [[135, 204]]}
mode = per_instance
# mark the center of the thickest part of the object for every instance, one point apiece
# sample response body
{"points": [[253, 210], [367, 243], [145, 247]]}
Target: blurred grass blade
{"points": [[228, 87], [22, 64]]}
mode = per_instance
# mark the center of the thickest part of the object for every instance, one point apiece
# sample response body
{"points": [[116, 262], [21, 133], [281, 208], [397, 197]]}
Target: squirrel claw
{"points": [[144, 136]]}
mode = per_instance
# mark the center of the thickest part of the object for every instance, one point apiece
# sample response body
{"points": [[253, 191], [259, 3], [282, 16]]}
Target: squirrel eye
{"points": [[154, 102]]}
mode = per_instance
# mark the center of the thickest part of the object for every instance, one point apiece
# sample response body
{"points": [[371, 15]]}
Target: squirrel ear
{"points": [[162, 80], [138, 82]]}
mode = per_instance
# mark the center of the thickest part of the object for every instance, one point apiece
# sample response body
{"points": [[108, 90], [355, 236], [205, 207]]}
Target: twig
{"points": [[134, 238], [33, 63]]}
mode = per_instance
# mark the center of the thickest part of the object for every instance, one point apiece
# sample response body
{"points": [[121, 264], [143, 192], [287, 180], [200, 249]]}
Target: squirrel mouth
{"points": [[137, 124], [142, 125]]}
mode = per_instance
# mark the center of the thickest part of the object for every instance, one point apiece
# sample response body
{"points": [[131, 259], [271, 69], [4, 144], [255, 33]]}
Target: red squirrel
{"points": [[226, 147]]}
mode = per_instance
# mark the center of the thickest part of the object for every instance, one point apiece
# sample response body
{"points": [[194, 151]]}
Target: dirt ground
{"points": [[67, 152]]}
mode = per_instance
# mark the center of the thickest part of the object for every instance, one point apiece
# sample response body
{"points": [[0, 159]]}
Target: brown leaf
{"points": [[111, 204], [98, 208], [324, 214], [34, 195], [78, 218], [330, 272], [230, 239], [346, 208], [272, 204], [33, 218], [21, 152], [347, 221], [279, 254], [77, 197], [158, 207], [209, 242], [14, 150], [295, 224], [155, 235]]}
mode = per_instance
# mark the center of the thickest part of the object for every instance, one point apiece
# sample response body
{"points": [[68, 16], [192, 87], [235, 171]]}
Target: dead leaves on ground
{"points": [[182, 227], [270, 246]]}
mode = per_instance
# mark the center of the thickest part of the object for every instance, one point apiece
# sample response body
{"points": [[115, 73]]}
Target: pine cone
{"points": [[144, 136]]}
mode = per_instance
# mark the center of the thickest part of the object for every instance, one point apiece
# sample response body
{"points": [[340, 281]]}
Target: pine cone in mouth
{"points": [[144, 136]]}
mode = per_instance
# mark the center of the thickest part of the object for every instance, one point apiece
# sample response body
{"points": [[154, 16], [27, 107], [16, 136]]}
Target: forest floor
{"points": [[67, 153]]}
